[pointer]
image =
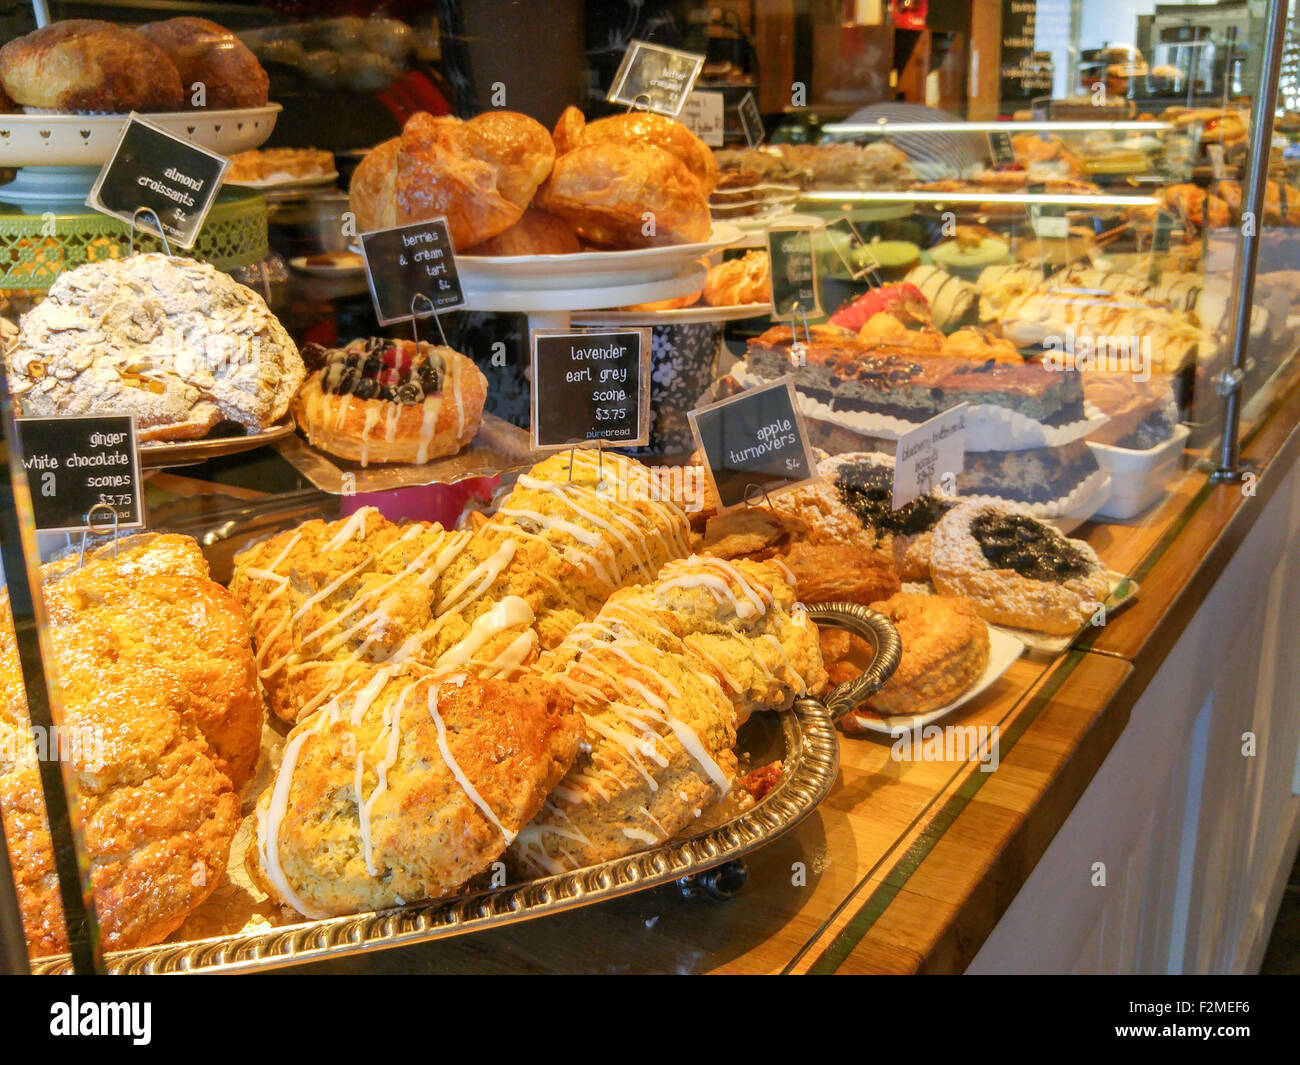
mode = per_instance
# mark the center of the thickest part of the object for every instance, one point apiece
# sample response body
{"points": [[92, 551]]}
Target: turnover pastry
{"points": [[637, 129], [945, 651], [630, 181], [175, 342], [536, 233], [407, 787], [161, 724], [740, 281], [380, 400], [1017, 571]]}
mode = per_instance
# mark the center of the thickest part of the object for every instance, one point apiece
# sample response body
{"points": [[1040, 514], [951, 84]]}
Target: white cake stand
{"points": [[60, 154]]}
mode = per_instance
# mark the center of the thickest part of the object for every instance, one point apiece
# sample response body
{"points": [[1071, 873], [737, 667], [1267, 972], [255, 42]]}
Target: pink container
{"points": [[442, 503]]}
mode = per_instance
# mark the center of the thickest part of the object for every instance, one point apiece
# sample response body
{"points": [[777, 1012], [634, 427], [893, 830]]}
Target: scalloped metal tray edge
{"points": [[810, 744]]}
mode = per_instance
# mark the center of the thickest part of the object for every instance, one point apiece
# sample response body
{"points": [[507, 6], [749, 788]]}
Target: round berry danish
{"points": [[380, 400], [1017, 570]]}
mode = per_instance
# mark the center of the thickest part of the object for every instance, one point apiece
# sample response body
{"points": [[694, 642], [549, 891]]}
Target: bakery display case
{"points": [[908, 417]]}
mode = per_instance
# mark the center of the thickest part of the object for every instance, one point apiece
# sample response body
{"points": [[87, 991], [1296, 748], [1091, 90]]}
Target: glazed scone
{"points": [[601, 529], [327, 603], [175, 342], [664, 675], [406, 788], [163, 718], [740, 621]]}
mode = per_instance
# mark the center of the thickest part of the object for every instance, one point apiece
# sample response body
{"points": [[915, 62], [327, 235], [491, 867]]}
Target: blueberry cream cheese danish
{"points": [[380, 400], [1017, 570]]}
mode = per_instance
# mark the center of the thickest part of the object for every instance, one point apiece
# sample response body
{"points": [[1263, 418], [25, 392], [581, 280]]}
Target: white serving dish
{"points": [[88, 140], [1138, 478], [591, 269]]}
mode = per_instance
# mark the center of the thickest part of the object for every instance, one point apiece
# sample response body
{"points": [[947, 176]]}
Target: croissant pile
{"points": [[508, 187]]}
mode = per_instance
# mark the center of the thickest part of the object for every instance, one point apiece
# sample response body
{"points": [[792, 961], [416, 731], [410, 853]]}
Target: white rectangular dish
{"points": [[1138, 478]]}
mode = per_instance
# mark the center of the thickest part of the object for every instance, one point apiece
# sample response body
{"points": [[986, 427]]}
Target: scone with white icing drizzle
{"points": [[663, 675], [175, 342], [590, 527], [406, 787], [330, 602]]}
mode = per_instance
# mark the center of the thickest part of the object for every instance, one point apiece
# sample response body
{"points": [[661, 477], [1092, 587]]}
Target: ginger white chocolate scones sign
{"points": [[151, 168], [76, 464]]}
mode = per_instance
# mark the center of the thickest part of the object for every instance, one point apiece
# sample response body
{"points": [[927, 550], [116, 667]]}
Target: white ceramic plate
{"points": [[589, 269], [681, 316], [1003, 650], [88, 140], [287, 181]]}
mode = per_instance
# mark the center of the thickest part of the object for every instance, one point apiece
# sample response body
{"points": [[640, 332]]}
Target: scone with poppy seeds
{"points": [[406, 787]]}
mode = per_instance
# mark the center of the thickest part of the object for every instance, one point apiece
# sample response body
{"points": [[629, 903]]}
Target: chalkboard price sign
{"points": [[152, 168], [754, 444], [410, 261], [73, 464], [655, 78], [751, 120], [590, 387], [1000, 149], [794, 273]]}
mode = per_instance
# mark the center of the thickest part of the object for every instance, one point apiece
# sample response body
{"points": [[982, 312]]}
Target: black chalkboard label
{"points": [[409, 262], [754, 444], [751, 120], [1000, 149], [152, 168], [655, 78], [590, 387], [794, 273], [74, 464]]}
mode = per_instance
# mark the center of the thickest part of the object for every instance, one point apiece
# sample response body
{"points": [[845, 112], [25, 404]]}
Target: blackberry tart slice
{"points": [[381, 400]]}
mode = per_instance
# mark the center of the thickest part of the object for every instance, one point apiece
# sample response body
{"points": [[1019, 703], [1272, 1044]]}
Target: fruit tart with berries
{"points": [[382, 400]]}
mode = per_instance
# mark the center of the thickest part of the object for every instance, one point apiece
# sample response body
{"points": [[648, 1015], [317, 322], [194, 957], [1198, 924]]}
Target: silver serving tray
{"points": [[807, 746]]}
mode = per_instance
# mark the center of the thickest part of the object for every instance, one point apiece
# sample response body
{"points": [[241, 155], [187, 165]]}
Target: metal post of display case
{"points": [[62, 809], [1230, 383]]}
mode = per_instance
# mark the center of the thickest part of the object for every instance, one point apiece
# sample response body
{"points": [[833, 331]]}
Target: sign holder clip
{"points": [[161, 235], [415, 318], [90, 524]]}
